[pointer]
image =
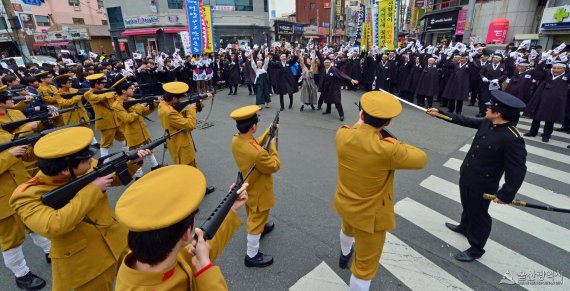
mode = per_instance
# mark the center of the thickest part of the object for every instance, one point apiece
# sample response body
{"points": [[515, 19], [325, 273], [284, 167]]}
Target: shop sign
{"points": [[152, 20], [311, 29], [63, 35], [442, 20], [284, 29], [298, 29], [327, 5], [556, 18], [326, 25], [224, 8], [461, 19]]}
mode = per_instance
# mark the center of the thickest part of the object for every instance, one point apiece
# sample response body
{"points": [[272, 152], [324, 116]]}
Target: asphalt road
{"points": [[307, 228]]}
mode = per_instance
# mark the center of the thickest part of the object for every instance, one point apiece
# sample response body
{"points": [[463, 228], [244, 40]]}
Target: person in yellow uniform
{"points": [[132, 121], [364, 199], [75, 116], [165, 254], [247, 150], [47, 93], [9, 114], [87, 241], [181, 147], [102, 106], [12, 230]]}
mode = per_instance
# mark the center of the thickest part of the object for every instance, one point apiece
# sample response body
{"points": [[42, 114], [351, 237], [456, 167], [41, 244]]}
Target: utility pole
{"points": [[469, 22], [18, 35], [331, 24]]}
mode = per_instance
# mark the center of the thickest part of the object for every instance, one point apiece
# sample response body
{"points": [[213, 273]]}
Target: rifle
{"points": [[71, 95], [34, 137], [104, 91], [149, 99], [43, 116], [60, 196], [194, 98], [214, 221]]}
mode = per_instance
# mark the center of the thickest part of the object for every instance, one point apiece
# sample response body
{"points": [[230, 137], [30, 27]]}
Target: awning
{"points": [[174, 29], [531, 36], [57, 43], [146, 31]]}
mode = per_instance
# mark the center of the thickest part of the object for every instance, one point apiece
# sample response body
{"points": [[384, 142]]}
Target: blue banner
{"points": [[194, 25], [32, 2]]}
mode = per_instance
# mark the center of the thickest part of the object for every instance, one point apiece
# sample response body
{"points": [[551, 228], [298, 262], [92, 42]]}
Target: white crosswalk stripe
{"points": [[497, 257], [529, 190], [548, 172], [551, 155], [414, 270], [535, 226]]}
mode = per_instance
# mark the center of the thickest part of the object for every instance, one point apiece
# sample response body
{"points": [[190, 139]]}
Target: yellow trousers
{"points": [[256, 220], [12, 232], [367, 251], [108, 135]]}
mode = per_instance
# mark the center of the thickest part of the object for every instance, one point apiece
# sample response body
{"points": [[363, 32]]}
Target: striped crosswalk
{"points": [[548, 162]]}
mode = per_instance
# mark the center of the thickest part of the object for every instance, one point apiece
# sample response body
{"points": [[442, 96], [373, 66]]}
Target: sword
{"points": [[438, 115], [522, 203]]}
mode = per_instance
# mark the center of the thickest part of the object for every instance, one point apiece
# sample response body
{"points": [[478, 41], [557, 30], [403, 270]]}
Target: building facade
{"points": [[316, 16], [154, 25], [555, 24]]}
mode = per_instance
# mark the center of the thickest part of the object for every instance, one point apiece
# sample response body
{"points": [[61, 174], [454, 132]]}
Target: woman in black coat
{"points": [[354, 70], [404, 72], [548, 103], [287, 83], [368, 70], [233, 74], [457, 89], [428, 86]]}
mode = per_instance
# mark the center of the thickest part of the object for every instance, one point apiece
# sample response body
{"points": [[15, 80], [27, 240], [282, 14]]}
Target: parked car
{"points": [[35, 59]]}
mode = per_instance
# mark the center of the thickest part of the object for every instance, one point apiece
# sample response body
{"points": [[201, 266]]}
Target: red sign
{"points": [[419, 3], [497, 32], [327, 5]]}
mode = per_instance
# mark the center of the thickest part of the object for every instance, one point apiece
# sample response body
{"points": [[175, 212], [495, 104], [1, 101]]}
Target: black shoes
{"points": [[342, 118], [269, 226], [235, 93], [466, 256], [455, 228], [545, 139], [231, 93], [313, 107], [318, 107], [282, 108], [157, 167], [260, 260], [325, 113], [302, 107], [210, 189], [48, 259], [563, 129], [530, 134], [290, 105], [30, 282], [343, 260]]}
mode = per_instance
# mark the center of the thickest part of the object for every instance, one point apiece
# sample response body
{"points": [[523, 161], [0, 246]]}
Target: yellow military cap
{"points": [[380, 104], [176, 87], [161, 198], [56, 78], [95, 77], [121, 80], [3, 88], [64, 142], [245, 112], [41, 74]]}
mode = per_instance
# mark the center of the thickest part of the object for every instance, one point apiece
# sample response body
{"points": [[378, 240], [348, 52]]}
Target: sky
{"points": [[283, 6]]}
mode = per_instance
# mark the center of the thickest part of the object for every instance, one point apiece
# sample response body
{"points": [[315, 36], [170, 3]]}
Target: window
{"points": [[100, 4], [313, 21], [73, 2], [312, 6], [42, 20], [244, 5], [442, 4], [3, 24], [175, 4], [115, 16], [265, 6], [104, 22], [78, 20]]}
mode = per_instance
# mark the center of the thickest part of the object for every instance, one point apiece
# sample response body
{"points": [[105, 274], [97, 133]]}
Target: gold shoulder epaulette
{"points": [[515, 131]]}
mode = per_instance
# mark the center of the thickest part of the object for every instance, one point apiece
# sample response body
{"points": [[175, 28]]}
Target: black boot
{"points": [[210, 189], [260, 260], [343, 260], [30, 282], [302, 107], [48, 259], [290, 101], [313, 107]]}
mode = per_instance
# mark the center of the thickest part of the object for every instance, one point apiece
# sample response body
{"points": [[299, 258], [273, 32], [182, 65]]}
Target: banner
{"points": [[365, 34], [209, 27], [185, 37], [194, 25], [203, 27], [359, 21], [386, 13], [375, 25]]}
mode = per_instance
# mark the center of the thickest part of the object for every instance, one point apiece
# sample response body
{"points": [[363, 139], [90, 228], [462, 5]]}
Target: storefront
{"points": [[318, 34], [8, 46], [288, 31], [242, 35], [555, 26], [440, 26], [52, 42]]}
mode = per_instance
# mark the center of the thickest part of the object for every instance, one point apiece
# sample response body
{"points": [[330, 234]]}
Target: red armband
{"points": [[203, 270]]}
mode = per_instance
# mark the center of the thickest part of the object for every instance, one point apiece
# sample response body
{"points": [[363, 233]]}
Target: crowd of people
{"points": [[84, 240]]}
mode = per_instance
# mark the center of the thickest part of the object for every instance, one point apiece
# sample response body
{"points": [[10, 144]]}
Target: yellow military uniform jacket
{"points": [[132, 123], [366, 166], [181, 276], [181, 147], [15, 115], [102, 106], [47, 93], [248, 151], [21, 105], [12, 173], [86, 237], [76, 115]]}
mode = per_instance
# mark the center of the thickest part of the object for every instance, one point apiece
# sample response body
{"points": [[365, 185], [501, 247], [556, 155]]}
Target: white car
{"points": [[35, 59]]}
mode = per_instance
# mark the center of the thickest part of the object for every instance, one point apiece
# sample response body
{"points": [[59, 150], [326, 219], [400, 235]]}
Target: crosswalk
{"points": [[419, 273]]}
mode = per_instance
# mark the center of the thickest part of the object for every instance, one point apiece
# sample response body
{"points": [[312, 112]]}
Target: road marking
{"points": [[563, 158], [497, 257], [552, 142], [529, 190], [414, 270], [322, 278], [541, 170], [526, 222]]}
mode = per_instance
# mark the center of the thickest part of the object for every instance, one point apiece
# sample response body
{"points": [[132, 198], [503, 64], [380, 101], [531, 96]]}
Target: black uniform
{"points": [[497, 149]]}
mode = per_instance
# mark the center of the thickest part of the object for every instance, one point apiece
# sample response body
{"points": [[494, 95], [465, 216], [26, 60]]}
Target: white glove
{"points": [[485, 80], [495, 80], [508, 81]]}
